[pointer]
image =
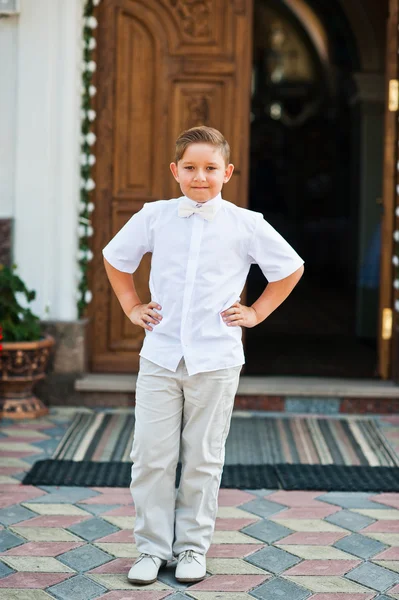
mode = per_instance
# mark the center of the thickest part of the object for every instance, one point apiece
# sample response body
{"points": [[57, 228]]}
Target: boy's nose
{"points": [[200, 176]]}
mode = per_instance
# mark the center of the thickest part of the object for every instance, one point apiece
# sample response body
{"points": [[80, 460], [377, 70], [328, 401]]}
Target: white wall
{"points": [[47, 152], [8, 79]]}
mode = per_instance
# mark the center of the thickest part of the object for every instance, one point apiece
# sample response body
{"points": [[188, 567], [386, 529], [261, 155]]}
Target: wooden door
{"points": [[163, 66], [388, 328]]}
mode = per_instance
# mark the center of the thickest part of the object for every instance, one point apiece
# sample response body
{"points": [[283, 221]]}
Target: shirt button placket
{"points": [[192, 265]]}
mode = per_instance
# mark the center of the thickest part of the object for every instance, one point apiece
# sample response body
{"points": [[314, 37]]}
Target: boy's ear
{"points": [[228, 172], [173, 168]]}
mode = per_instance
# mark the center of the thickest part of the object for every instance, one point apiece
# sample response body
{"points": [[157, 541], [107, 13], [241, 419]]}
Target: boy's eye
{"points": [[211, 168], [189, 168]]}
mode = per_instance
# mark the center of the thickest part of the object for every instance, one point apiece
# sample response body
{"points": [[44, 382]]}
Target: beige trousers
{"points": [[176, 413]]}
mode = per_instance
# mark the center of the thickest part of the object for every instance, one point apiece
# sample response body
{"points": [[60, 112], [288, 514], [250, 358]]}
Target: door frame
{"points": [[387, 330]]}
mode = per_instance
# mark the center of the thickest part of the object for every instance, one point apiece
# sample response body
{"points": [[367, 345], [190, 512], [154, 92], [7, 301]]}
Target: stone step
{"points": [[272, 393]]}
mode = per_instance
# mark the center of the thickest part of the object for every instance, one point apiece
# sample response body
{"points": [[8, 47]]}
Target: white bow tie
{"points": [[186, 209]]}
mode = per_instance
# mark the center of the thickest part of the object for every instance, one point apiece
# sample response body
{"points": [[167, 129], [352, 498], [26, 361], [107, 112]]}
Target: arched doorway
{"points": [[303, 178]]}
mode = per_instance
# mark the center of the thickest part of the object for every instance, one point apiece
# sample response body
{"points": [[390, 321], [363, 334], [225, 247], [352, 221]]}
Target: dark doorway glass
{"points": [[301, 178]]}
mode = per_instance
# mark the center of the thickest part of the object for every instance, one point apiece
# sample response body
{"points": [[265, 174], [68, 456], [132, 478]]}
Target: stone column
{"points": [[49, 51]]}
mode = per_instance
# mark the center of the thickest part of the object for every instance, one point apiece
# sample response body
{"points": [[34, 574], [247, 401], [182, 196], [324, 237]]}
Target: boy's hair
{"points": [[202, 134]]}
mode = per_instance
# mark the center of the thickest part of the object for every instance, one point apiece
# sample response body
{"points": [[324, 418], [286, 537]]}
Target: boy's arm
{"points": [[123, 286], [274, 294], [125, 290]]}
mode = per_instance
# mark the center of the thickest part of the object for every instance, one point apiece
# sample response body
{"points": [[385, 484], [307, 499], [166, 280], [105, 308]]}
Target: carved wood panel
{"points": [[163, 66]]}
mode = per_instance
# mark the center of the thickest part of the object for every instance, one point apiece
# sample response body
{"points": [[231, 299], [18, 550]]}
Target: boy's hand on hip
{"points": [[240, 315], [144, 314]]}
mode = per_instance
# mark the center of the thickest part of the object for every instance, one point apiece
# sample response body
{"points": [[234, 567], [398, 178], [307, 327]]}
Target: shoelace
{"points": [[188, 556], [143, 555]]}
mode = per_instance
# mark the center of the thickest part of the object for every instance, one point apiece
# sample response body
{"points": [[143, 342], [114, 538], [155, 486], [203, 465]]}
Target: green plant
{"points": [[18, 324]]}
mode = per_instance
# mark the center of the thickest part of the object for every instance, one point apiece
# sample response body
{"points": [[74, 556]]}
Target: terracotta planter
{"points": [[22, 364]]}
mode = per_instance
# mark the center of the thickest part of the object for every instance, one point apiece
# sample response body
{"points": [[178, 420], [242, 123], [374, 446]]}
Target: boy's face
{"points": [[201, 172]]}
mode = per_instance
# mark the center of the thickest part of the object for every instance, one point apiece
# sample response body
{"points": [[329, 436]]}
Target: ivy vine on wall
{"points": [[87, 158]]}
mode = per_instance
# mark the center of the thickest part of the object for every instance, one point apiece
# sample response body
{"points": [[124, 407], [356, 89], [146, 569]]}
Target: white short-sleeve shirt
{"points": [[198, 269]]}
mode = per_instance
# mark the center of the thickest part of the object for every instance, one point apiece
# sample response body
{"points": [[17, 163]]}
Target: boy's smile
{"points": [[201, 172]]}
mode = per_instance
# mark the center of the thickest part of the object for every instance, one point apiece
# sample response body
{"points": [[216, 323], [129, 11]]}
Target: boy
{"points": [[202, 248]]}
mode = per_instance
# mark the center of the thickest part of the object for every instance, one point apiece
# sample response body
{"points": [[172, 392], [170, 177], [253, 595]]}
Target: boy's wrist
{"points": [[257, 315]]}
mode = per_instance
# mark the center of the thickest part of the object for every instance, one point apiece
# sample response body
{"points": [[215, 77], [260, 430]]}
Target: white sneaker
{"points": [[191, 566], [145, 569]]}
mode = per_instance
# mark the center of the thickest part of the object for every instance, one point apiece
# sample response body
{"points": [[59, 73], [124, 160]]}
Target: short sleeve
{"points": [[274, 255], [128, 246]]}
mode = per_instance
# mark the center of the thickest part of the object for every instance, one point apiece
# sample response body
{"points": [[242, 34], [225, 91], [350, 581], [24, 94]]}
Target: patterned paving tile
{"points": [[232, 512], [232, 524], [263, 508], [65, 495], [296, 499], [119, 550], [389, 539], [308, 512], [233, 550], [311, 538], [393, 565], [317, 552], [340, 596], [4, 570], [45, 534], [33, 580], [374, 576], [388, 514], [77, 588], [19, 594], [117, 565], [121, 511], [36, 564], [391, 500], [327, 584], [9, 540], [15, 514], [280, 588], [93, 529], [228, 583], [214, 596], [124, 536], [43, 548], [267, 531], [350, 500], [103, 500], [53, 521], [139, 595], [274, 560], [359, 545], [382, 527], [8, 499], [121, 522], [228, 497], [349, 519], [231, 566], [390, 554], [323, 567], [232, 537], [308, 525], [101, 509], [56, 509], [394, 592], [84, 558], [116, 581]]}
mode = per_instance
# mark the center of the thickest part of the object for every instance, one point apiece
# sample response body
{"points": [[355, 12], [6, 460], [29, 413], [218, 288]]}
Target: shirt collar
{"points": [[216, 201]]}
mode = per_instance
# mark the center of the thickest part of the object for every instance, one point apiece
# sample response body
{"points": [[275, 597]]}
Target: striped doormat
{"points": [[253, 440], [292, 453]]}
